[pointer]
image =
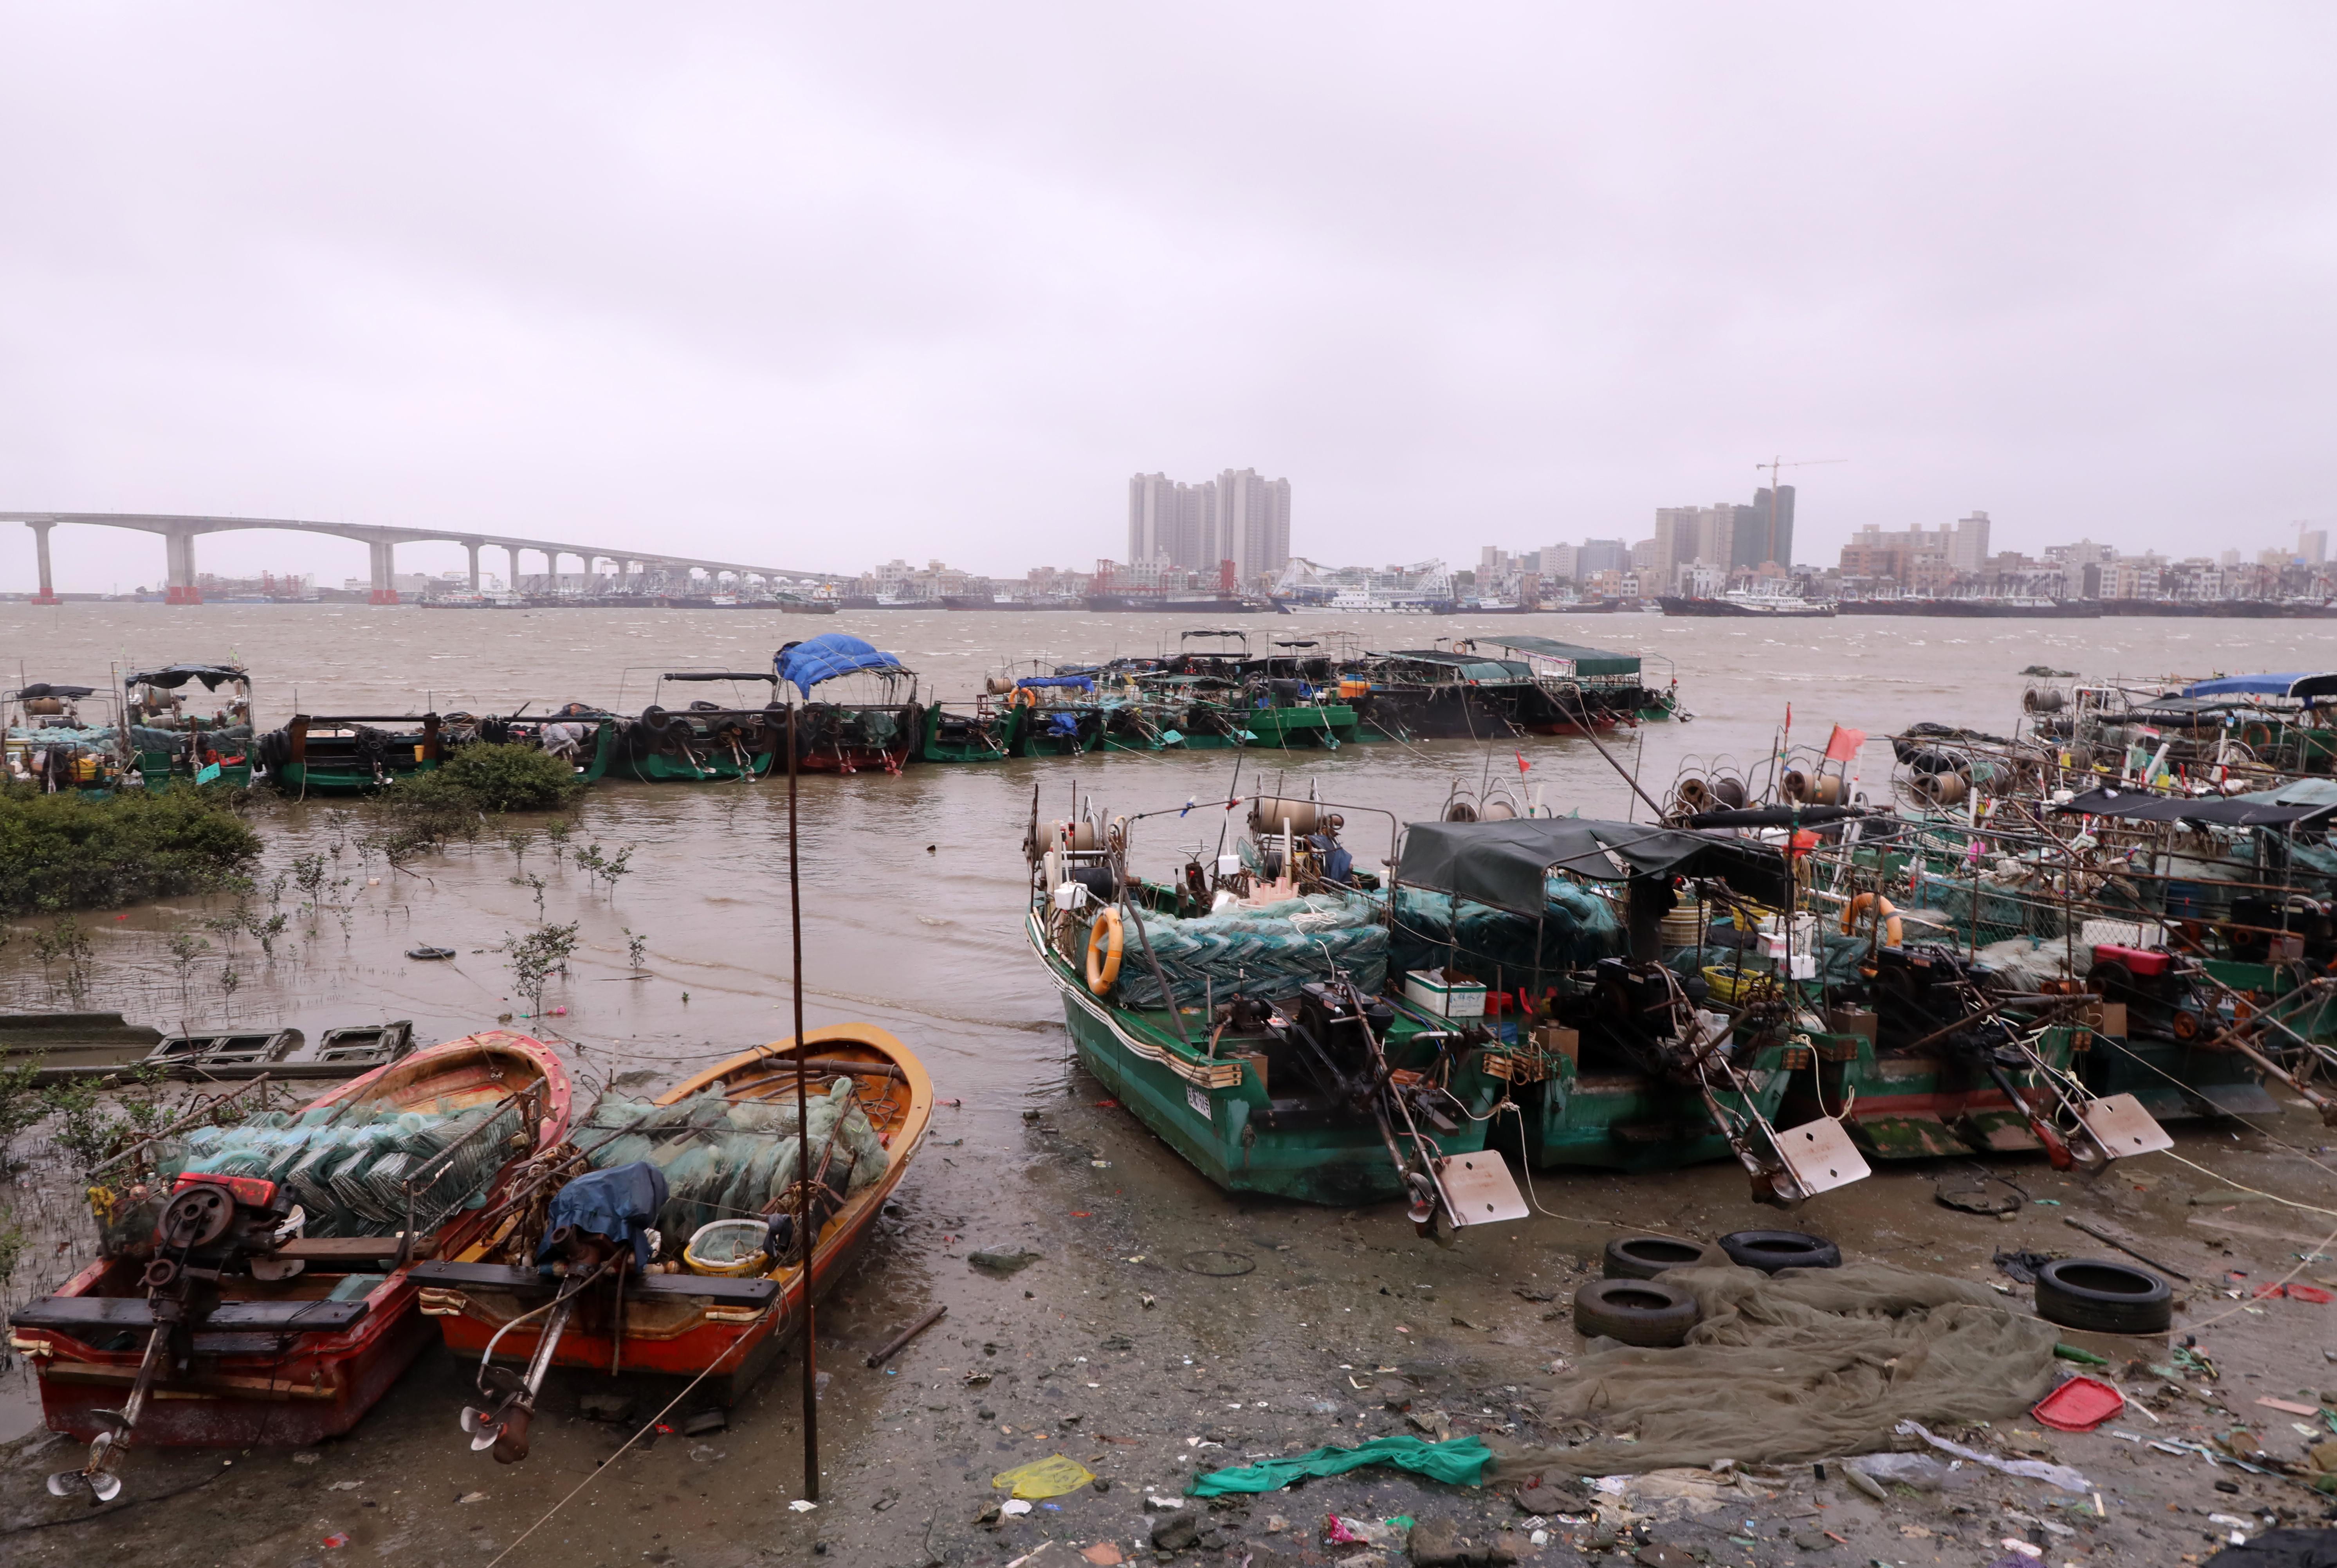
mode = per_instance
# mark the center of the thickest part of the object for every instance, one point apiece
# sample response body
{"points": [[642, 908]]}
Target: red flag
{"points": [[1522, 763], [1845, 744]]}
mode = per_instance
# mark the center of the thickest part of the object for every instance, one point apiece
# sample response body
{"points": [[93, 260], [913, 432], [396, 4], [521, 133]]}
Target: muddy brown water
{"points": [[913, 888]]}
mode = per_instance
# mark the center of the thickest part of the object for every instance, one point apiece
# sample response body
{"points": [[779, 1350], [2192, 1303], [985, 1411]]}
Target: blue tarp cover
{"points": [[621, 1203], [1079, 681], [2250, 684], [824, 657]]}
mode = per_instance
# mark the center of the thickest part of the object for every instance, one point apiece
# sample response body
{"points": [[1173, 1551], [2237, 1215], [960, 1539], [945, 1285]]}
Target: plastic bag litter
{"points": [[1040, 1478], [2060, 1475], [1461, 1462], [1919, 1470]]}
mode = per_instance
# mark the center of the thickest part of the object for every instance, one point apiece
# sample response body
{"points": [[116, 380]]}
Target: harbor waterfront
{"points": [[916, 889]]}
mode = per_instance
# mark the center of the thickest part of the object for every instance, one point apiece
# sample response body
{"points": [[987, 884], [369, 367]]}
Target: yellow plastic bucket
{"points": [[728, 1249]]}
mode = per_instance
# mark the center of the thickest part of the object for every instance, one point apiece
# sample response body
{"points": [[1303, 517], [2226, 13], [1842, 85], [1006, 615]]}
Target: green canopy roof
{"points": [[1586, 660]]}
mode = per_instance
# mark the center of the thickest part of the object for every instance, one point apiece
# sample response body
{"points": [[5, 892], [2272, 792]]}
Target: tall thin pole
{"points": [[803, 1134]]}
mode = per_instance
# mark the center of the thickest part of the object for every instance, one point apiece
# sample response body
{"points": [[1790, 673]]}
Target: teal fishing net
{"points": [[1578, 928], [349, 1166], [1268, 952], [729, 1162]]}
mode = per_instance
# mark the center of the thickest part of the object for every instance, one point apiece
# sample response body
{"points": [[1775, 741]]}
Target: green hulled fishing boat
{"points": [[172, 739], [1246, 1031], [985, 734], [349, 754], [705, 742]]}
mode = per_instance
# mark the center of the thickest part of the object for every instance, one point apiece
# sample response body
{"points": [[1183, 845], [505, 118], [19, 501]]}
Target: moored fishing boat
{"points": [[171, 740], [1236, 1013], [880, 726], [349, 754], [984, 735], [1579, 687], [705, 740], [254, 1284], [721, 1292], [57, 738]]}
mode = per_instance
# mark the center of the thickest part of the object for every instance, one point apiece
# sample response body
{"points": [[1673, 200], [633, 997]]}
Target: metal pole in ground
{"points": [[806, 1240]]}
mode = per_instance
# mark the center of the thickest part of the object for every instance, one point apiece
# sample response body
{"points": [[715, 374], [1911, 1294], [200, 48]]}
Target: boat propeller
{"points": [[210, 1224], [503, 1425]]}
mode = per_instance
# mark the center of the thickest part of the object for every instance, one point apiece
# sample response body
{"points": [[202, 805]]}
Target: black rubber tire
{"points": [[1645, 1257], [655, 719], [1770, 1250], [1644, 1312], [2107, 1298]]}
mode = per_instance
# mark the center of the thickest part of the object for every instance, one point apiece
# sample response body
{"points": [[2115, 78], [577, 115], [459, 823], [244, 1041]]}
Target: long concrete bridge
{"points": [[634, 568]]}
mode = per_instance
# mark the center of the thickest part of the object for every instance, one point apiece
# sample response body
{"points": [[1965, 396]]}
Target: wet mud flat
{"points": [[1163, 1328]]}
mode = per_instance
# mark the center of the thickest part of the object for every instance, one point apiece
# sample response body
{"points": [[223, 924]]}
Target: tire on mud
{"points": [[1645, 1257], [2105, 1297], [1770, 1250], [1644, 1312]]}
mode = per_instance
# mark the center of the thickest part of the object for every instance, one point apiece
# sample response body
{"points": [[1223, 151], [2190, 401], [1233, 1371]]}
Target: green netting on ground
{"points": [[1578, 928], [348, 1166], [1266, 952], [729, 1162]]}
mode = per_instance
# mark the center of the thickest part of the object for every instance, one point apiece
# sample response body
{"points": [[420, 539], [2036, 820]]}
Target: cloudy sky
{"points": [[822, 285]]}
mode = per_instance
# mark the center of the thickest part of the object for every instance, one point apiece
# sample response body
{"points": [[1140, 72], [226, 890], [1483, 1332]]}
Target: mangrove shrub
{"points": [[70, 852]]}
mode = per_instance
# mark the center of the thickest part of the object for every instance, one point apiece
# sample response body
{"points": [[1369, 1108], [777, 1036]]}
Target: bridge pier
{"points": [[385, 572], [179, 556], [472, 546], [48, 594]]}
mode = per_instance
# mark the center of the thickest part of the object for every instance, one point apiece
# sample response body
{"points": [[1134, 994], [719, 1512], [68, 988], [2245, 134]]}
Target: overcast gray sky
{"points": [[825, 285]]}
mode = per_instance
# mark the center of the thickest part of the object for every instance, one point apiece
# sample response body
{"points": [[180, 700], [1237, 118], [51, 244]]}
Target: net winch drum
{"points": [[1268, 814]]}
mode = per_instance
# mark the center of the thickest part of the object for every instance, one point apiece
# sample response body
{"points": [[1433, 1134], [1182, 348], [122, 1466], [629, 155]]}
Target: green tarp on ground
{"points": [[1460, 1463]]}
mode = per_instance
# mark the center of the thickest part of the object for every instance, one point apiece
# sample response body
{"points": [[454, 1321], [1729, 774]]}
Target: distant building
{"points": [[2312, 545], [1237, 516], [1968, 546]]}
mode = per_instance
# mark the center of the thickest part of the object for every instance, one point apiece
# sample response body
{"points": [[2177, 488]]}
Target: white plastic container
{"points": [[1072, 896], [1429, 991]]}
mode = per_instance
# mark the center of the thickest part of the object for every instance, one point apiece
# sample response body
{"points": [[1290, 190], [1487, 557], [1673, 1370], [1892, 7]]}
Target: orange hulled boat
{"points": [[714, 1287]]}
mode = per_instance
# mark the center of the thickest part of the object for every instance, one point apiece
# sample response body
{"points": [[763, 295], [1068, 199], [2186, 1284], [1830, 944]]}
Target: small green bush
{"points": [[489, 779], [69, 851]]}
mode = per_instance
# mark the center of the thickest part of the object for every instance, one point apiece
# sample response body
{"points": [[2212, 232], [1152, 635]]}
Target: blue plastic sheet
{"points": [[824, 657], [619, 1202]]}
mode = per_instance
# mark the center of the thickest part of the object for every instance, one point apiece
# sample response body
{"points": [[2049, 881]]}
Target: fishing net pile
{"points": [[348, 1166], [1806, 1364], [1268, 952], [1578, 928], [146, 738], [727, 1161]]}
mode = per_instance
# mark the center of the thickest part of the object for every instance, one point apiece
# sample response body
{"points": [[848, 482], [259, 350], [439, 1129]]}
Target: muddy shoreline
{"points": [[1345, 1327]]}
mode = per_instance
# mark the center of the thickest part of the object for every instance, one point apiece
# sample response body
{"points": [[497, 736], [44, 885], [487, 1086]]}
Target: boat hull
{"points": [[1636, 1122], [255, 1389], [672, 1331], [1214, 1113]]}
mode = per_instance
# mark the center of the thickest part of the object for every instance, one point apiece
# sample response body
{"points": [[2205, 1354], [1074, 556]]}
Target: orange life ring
{"points": [[1893, 932], [1104, 943], [1024, 696], [2256, 735]]}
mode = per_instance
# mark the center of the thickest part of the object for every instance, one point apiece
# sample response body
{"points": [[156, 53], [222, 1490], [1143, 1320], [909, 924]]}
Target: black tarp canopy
{"points": [[2135, 805], [171, 676], [40, 688], [1507, 864]]}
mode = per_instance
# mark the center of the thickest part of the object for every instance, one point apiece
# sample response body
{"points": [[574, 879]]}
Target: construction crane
{"points": [[1773, 465]]}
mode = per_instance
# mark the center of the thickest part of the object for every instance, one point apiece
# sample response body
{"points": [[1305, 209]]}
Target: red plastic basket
{"points": [[2080, 1405]]}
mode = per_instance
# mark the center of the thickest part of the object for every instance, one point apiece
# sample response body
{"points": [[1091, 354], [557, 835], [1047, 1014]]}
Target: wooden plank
{"points": [[75, 1314], [350, 1249]]}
